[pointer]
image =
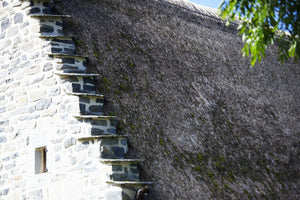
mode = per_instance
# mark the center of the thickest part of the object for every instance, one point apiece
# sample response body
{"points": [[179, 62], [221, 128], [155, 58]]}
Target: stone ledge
{"points": [[43, 0], [48, 16], [67, 55], [121, 160], [129, 182], [94, 117], [58, 36], [101, 137], [75, 74], [85, 94]]}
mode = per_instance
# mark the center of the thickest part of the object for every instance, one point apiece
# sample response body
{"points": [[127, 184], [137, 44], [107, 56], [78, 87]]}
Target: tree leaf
{"points": [[262, 23]]}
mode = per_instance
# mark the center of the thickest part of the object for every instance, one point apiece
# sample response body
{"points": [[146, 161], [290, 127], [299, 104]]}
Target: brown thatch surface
{"points": [[209, 126]]}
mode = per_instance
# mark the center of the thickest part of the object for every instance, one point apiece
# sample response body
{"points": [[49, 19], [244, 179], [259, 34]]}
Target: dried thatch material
{"points": [[208, 125], [199, 9]]}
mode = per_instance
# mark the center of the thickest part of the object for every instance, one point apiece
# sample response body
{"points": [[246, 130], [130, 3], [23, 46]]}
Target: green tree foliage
{"points": [[262, 22]]}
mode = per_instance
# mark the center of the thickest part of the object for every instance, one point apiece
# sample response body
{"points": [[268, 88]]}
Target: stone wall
{"points": [[55, 142], [32, 111]]}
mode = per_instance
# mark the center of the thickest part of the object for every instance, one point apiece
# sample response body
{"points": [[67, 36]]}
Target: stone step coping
{"points": [[121, 160], [100, 137], [75, 74], [43, 0], [94, 117], [129, 182], [48, 16], [67, 55], [85, 94], [58, 36]]}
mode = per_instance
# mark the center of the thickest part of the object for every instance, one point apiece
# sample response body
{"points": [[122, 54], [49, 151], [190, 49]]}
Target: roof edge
{"points": [[196, 8]]}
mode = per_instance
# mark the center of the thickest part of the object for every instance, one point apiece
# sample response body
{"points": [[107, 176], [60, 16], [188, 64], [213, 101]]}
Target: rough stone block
{"points": [[97, 131], [82, 108], [14, 155], [43, 104], [37, 94], [22, 26], [69, 51], [2, 109], [38, 194], [123, 141], [74, 79], [10, 106], [69, 142], [68, 60], [110, 142], [5, 159], [56, 50], [134, 170], [116, 195], [88, 80], [28, 46], [99, 123], [88, 88], [34, 10], [55, 90], [2, 182], [111, 130], [119, 152], [3, 73], [68, 68], [5, 24], [4, 44], [33, 70], [117, 168], [4, 4], [84, 99], [35, 28], [75, 129], [81, 147], [12, 31], [47, 11], [4, 123], [49, 112], [5, 192], [76, 87], [57, 158], [18, 18], [46, 29], [49, 82], [10, 166], [47, 67], [95, 109]]}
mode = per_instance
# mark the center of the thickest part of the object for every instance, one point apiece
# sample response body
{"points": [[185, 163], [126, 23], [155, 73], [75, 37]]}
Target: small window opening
{"points": [[40, 160]]}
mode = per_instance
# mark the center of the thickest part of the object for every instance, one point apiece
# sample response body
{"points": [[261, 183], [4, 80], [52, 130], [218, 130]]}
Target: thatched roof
{"points": [[209, 126], [192, 7]]}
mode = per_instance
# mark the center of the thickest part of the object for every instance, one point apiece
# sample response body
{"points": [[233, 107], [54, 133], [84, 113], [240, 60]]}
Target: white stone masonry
{"points": [[55, 142]]}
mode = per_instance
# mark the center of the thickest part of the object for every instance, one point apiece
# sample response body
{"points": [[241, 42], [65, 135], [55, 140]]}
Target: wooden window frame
{"points": [[40, 160]]}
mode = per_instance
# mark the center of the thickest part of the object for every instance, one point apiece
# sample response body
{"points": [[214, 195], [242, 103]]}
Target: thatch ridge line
{"points": [[196, 8]]}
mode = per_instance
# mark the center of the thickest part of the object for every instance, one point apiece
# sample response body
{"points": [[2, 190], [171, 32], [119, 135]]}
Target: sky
{"points": [[208, 3]]}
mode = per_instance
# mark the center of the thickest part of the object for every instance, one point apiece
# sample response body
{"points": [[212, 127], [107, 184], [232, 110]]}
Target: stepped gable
{"points": [[98, 166], [121, 172]]}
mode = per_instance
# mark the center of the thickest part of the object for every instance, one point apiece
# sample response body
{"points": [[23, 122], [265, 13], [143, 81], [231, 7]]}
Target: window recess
{"points": [[40, 160]]}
